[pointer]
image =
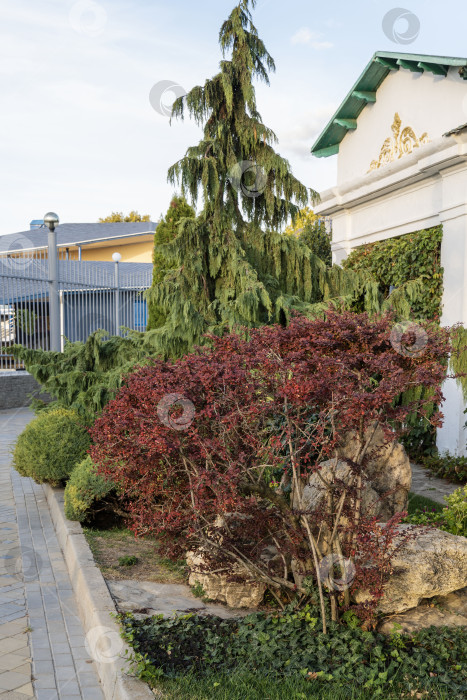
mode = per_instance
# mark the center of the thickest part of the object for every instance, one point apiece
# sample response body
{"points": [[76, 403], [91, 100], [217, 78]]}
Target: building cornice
{"points": [[428, 160]]}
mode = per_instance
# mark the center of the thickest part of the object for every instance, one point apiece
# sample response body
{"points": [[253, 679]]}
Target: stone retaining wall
{"points": [[16, 388]]}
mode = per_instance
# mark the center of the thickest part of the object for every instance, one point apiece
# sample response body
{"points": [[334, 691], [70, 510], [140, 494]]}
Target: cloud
{"points": [[299, 139], [306, 36]]}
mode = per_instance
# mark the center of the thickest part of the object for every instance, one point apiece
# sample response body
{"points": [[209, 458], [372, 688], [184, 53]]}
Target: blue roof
{"points": [[74, 235]]}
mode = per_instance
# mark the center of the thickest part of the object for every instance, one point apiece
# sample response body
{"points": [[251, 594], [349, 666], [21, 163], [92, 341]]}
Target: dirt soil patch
{"points": [[110, 546]]}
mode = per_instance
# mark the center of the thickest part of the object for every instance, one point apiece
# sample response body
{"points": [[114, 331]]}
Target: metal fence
{"points": [[46, 301]]}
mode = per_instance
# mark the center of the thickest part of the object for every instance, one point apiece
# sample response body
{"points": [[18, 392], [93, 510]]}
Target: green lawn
{"points": [[420, 502], [251, 687]]}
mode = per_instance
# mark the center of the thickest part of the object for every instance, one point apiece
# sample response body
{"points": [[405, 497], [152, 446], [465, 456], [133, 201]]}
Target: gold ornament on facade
{"points": [[400, 144]]}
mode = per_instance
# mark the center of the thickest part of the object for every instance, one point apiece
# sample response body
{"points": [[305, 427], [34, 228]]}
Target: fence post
{"points": [[116, 257], [54, 302]]}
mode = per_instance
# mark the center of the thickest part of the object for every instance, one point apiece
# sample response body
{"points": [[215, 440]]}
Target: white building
{"points": [[401, 139]]}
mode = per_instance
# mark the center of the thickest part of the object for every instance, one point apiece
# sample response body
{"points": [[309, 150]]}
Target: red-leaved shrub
{"points": [[223, 468]]}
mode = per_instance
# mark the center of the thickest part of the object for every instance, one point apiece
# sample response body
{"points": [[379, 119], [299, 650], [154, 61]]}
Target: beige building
{"points": [[133, 240]]}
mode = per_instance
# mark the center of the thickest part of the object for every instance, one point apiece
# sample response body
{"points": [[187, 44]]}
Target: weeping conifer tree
{"points": [[231, 270], [232, 264]]}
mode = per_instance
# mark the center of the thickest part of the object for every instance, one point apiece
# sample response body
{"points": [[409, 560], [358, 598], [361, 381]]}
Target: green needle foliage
{"points": [[246, 187], [86, 376], [166, 231], [234, 134], [232, 266]]}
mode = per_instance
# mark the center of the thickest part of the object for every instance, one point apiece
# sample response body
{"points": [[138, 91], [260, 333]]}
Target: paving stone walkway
{"points": [[429, 486], [42, 642], [15, 661]]}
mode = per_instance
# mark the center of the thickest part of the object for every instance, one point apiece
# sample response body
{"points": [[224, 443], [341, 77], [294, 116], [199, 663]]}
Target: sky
{"points": [[80, 136]]}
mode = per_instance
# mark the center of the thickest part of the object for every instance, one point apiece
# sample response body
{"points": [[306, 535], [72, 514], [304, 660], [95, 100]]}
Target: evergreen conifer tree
{"points": [[231, 269], [311, 229], [166, 231], [232, 264]]}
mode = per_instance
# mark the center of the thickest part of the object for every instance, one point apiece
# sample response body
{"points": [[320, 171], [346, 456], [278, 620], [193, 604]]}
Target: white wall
{"points": [[424, 101], [420, 190]]}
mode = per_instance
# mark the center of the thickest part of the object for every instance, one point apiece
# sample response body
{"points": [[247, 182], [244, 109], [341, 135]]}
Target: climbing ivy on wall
{"points": [[459, 357], [392, 263], [397, 260]]}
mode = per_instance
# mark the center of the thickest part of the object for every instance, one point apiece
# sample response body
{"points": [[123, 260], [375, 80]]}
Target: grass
{"points": [[421, 502], [254, 687], [110, 547]]}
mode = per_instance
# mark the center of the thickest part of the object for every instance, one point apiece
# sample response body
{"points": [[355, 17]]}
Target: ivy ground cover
{"points": [[290, 649]]}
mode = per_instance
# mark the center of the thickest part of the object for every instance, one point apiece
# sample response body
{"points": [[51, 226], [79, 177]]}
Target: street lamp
{"points": [[51, 220], [116, 257]]}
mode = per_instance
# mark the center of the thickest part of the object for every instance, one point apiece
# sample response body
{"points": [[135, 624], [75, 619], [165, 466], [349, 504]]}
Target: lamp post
{"points": [[51, 220], [116, 257]]}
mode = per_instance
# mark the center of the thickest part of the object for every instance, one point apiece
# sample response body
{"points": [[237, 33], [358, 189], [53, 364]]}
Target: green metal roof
{"points": [[364, 92]]}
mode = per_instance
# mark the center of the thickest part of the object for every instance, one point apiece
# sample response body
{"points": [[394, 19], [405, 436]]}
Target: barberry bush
{"points": [[213, 452]]}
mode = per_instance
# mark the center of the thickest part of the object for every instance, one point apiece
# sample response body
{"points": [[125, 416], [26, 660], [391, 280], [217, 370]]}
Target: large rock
{"points": [[443, 611], [387, 468], [432, 564], [244, 594], [144, 598], [314, 491]]}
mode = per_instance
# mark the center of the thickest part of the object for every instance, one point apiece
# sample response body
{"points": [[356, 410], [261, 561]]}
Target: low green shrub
{"points": [[291, 644], [426, 516], [198, 590], [447, 466], [84, 490], [452, 518], [420, 440], [51, 446], [455, 514]]}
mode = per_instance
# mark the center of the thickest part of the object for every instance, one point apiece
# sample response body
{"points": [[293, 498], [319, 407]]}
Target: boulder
{"points": [[387, 468], [217, 586], [144, 598], [314, 491], [443, 611], [387, 476], [434, 563]]}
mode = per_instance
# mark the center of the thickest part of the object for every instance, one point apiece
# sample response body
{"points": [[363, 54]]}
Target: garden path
{"points": [[429, 486], [42, 642]]}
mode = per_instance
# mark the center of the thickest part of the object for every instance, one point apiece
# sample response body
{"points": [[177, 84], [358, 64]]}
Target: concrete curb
{"points": [[95, 605]]}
